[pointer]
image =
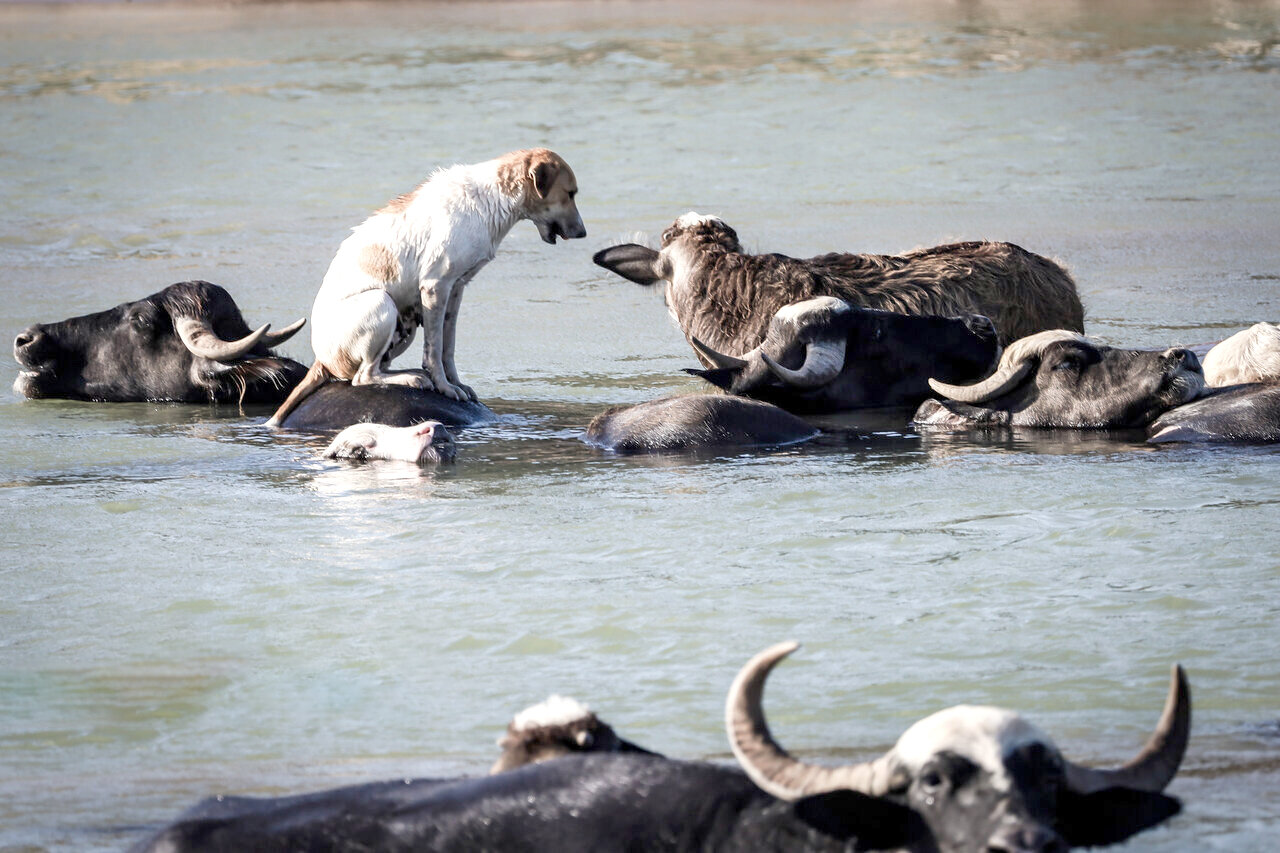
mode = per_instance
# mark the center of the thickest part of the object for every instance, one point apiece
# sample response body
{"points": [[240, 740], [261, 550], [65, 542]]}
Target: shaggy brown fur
{"points": [[727, 298]]}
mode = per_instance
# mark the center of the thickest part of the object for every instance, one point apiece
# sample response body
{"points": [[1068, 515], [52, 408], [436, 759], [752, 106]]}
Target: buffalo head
{"points": [[982, 779], [187, 343], [1060, 379], [555, 728], [824, 354]]}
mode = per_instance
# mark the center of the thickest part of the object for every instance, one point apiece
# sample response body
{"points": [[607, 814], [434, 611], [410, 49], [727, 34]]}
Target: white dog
{"points": [[407, 265], [1249, 356]]}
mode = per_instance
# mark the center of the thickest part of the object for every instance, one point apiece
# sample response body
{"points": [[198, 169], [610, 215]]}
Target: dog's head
{"points": [[548, 187]]}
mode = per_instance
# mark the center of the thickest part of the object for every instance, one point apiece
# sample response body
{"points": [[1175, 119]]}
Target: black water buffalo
{"points": [[1059, 379], [726, 297], [825, 355], [336, 405], [1242, 414], [188, 343], [967, 779], [555, 728], [695, 421]]}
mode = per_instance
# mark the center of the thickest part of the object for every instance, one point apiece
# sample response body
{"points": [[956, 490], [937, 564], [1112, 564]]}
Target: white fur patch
{"points": [[556, 710], [980, 733], [1249, 356], [690, 219]]}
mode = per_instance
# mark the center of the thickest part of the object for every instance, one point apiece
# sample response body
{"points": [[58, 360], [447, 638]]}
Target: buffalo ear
{"points": [[631, 261], [1111, 815], [721, 377], [949, 413], [870, 823]]}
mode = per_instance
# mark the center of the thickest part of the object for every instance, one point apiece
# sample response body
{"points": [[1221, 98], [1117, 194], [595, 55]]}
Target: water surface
{"points": [[190, 604]]}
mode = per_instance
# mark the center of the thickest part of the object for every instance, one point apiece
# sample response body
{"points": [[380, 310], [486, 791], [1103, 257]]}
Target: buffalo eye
{"points": [[142, 323], [1070, 363]]}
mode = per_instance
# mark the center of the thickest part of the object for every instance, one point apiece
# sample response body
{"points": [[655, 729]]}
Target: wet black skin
{"points": [[1080, 386], [889, 359], [132, 353]]}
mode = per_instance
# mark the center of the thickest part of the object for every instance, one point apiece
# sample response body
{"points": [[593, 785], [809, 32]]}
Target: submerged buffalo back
{"points": [[338, 405], [695, 421]]}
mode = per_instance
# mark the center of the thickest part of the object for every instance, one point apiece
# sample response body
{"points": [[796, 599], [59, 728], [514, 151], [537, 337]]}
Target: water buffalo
{"points": [[336, 405], [726, 298], [1060, 379], [964, 780], [1252, 355], [555, 728], [188, 343], [825, 355], [695, 421], [1243, 414], [422, 443]]}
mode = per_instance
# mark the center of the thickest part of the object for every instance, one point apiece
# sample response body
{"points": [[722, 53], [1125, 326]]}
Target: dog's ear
{"points": [[543, 173], [631, 261]]}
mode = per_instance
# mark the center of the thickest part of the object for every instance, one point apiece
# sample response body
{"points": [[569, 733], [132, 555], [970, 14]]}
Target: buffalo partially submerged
{"points": [[825, 355], [336, 405], [1241, 414], [1252, 355], [429, 441], [726, 298], [693, 422], [188, 343], [1060, 379], [555, 728], [964, 780]]}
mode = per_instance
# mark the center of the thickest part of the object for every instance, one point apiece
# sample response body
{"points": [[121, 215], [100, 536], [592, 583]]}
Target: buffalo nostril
{"points": [[26, 338]]}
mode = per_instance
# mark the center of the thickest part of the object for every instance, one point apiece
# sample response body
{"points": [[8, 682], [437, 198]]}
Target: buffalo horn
{"points": [[822, 363], [274, 339], [1154, 767], [767, 763], [204, 342], [1004, 379], [717, 359]]}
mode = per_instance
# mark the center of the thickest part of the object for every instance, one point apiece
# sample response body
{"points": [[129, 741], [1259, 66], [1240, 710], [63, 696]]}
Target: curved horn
{"points": [[1154, 767], [274, 339], [766, 762], [204, 342], [822, 363], [1002, 380], [717, 359]]}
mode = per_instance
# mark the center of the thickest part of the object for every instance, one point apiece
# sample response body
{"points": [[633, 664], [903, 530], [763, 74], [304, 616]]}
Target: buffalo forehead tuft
{"points": [[982, 734]]}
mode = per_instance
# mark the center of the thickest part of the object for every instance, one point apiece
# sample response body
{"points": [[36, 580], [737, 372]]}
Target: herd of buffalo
{"points": [[973, 336]]}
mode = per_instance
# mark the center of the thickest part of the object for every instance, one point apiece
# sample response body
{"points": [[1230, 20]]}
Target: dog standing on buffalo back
{"points": [[407, 265]]}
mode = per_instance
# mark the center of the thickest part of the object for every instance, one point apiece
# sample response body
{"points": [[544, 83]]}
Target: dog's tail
{"points": [[316, 376]]}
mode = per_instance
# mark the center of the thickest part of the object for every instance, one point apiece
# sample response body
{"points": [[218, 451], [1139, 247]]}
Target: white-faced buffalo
{"points": [[693, 422], [1059, 379], [188, 343], [965, 780], [555, 728], [422, 443], [727, 298], [1243, 414], [825, 355]]}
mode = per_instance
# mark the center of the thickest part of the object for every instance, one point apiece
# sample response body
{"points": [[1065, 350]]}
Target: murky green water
{"points": [[189, 605]]}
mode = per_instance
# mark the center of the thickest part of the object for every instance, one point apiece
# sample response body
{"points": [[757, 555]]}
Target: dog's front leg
{"points": [[451, 329], [435, 305]]}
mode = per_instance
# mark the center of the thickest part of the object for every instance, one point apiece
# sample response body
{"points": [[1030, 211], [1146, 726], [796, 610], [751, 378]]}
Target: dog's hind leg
{"points": [[370, 321]]}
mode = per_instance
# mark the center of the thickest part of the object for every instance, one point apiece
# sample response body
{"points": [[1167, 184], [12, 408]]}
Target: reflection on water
{"points": [[192, 603]]}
